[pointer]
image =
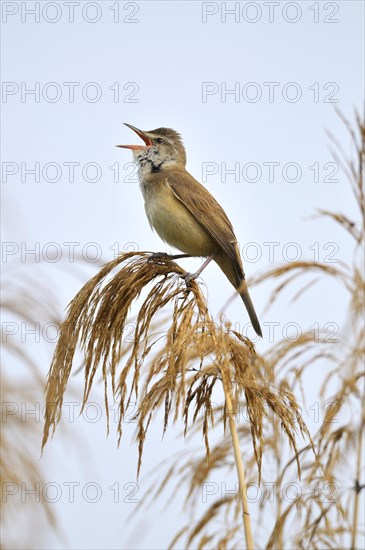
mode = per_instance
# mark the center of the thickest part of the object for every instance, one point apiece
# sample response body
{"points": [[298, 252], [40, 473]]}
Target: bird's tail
{"points": [[234, 273], [243, 292]]}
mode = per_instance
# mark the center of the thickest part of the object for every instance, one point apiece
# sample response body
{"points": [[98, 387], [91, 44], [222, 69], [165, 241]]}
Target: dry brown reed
{"points": [[175, 369], [180, 366], [25, 303]]}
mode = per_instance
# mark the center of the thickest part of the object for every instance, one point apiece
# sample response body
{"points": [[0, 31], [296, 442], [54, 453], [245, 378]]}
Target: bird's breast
{"points": [[174, 223]]}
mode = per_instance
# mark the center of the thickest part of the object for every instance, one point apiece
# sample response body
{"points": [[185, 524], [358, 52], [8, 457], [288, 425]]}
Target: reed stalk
{"points": [[240, 468]]}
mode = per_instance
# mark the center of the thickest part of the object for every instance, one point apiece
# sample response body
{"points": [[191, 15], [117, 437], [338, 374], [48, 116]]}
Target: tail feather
{"points": [[250, 309], [234, 273]]}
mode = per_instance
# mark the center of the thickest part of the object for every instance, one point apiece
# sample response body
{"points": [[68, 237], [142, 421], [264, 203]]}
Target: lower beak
{"points": [[142, 135]]}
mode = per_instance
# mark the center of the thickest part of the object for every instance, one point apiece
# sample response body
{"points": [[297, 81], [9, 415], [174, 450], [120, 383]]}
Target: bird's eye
{"points": [[159, 140]]}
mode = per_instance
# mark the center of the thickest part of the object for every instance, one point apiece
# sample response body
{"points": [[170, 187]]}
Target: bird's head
{"points": [[163, 148]]}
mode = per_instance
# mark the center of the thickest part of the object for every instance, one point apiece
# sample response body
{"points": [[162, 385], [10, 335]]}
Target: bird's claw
{"points": [[188, 277], [158, 256]]}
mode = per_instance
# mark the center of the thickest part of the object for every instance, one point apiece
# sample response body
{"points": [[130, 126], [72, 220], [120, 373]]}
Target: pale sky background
{"points": [[161, 62]]}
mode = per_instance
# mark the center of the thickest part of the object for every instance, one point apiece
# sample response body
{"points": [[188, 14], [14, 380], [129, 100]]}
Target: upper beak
{"points": [[139, 133]]}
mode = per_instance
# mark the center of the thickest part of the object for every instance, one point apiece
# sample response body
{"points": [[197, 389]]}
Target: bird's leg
{"points": [[165, 256], [191, 276], [177, 256]]}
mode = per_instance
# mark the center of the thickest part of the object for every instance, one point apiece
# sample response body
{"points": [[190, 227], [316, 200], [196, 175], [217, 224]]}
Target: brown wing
{"points": [[197, 199]]}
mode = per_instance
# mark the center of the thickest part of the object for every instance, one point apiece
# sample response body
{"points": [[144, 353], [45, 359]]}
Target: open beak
{"points": [[142, 135]]}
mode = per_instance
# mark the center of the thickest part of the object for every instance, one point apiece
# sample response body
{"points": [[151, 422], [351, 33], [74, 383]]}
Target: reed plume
{"points": [[175, 368]]}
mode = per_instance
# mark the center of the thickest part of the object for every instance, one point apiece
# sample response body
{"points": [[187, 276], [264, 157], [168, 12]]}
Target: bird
{"points": [[183, 212]]}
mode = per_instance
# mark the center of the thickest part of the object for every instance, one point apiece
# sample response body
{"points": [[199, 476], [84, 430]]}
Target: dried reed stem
{"points": [[357, 490], [240, 469]]}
